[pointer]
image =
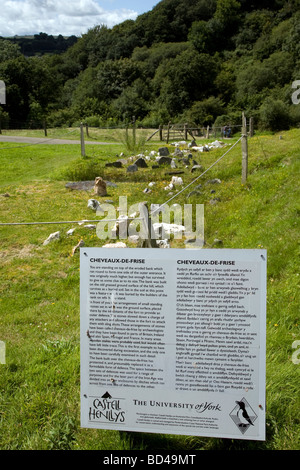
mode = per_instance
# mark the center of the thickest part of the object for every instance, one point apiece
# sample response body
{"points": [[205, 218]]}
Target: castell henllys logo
{"points": [[106, 409]]}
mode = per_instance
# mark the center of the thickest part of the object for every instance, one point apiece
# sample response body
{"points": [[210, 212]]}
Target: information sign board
{"points": [[173, 341]]}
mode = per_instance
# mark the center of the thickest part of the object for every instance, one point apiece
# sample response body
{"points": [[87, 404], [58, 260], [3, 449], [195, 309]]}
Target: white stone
{"points": [[168, 229], [115, 245], [177, 181], [52, 236], [93, 204]]}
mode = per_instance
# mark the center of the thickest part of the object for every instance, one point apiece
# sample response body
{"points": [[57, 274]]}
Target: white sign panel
{"points": [[173, 341]]}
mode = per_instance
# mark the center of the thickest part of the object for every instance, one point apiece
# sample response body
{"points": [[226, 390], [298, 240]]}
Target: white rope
{"points": [[72, 221], [50, 223], [177, 194]]}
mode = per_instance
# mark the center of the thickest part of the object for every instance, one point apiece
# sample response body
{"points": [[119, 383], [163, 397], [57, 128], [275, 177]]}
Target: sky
{"points": [[26, 17]]}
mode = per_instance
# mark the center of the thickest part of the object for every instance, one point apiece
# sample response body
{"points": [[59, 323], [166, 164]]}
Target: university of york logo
{"points": [[243, 415]]}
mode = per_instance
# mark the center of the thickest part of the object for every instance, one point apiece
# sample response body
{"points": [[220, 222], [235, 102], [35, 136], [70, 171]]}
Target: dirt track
{"points": [[46, 140]]}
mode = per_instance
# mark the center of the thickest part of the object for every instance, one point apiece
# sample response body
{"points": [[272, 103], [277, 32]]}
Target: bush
{"points": [[61, 118], [155, 118], [82, 170], [93, 121], [233, 119], [274, 115], [295, 115]]}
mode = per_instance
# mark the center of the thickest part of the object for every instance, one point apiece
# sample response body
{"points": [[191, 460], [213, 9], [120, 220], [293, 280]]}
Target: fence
{"points": [[184, 131], [146, 219], [166, 132]]}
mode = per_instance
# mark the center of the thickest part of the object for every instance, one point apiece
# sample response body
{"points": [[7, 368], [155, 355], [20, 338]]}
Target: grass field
{"points": [[39, 291]]}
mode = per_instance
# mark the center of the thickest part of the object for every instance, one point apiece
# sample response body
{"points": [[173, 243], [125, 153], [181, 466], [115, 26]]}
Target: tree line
{"points": [[195, 61]]}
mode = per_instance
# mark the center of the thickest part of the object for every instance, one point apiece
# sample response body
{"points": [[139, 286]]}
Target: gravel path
{"points": [[46, 140]]}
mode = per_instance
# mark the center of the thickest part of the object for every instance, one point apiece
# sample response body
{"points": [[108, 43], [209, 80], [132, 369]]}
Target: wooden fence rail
{"points": [[184, 131]]}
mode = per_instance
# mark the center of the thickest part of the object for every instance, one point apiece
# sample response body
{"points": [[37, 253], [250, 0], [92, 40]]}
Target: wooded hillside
{"points": [[195, 61]]}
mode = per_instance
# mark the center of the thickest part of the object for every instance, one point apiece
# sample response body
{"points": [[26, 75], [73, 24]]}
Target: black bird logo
{"points": [[243, 415]]}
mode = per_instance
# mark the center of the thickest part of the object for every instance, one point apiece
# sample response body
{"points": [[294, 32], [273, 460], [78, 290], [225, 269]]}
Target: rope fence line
{"points": [[198, 177], [70, 222], [135, 218]]}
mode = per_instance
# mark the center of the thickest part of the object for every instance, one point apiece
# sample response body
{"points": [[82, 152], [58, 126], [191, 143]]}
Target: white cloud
{"points": [[21, 17]]}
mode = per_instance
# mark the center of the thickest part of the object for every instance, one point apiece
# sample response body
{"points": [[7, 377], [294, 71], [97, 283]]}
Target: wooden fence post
{"points": [[148, 229], [168, 132], [161, 133], [244, 150], [185, 131], [82, 140], [45, 127], [251, 127], [134, 130]]}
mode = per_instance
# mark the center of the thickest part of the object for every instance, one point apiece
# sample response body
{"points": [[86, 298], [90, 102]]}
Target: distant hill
{"points": [[42, 43]]}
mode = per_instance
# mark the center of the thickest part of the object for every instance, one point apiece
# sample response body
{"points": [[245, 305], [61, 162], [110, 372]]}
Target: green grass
{"points": [[39, 290]]}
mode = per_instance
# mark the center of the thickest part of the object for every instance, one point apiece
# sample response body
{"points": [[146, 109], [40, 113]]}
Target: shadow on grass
{"points": [[167, 442]]}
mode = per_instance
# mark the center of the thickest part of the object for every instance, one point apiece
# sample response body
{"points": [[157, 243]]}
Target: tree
{"points": [[133, 101], [187, 78], [170, 20], [227, 12], [204, 113], [224, 24], [45, 85], [113, 76], [8, 50], [150, 58], [225, 82], [258, 78], [200, 35], [16, 74], [256, 24]]}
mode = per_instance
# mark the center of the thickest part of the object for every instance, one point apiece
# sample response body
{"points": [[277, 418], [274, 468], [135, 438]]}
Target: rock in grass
{"points": [[164, 160], [197, 167], [214, 201], [214, 181], [100, 186], [115, 245], [141, 163], [116, 164], [195, 192], [76, 248], [93, 204], [52, 237], [163, 151], [86, 185], [132, 168]]}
